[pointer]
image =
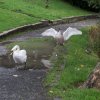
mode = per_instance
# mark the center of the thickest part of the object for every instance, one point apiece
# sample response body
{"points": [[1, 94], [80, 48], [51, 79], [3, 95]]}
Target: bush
{"points": [[94, 35], [93, 5]]}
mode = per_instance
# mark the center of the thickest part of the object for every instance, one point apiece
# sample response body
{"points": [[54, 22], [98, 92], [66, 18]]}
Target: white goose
{"points": [[61, 37], [19, 56]]}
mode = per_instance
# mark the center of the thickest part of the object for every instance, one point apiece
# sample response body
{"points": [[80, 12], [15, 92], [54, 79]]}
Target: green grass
{"points": [[19, 12], [78, 64], [33, 43]]}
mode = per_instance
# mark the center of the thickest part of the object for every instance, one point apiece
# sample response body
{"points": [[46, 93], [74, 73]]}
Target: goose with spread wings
{"points": [[61, 37]]}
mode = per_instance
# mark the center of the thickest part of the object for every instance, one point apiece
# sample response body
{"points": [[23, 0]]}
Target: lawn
{"points": [[14, 13], [65, 82]]}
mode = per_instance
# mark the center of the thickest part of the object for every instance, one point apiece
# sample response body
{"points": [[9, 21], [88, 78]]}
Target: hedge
{"points": [[93, 5]]}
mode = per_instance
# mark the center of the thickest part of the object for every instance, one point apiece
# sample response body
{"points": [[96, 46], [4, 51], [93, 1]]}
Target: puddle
{"points": [[57, 98], [40, 49]]}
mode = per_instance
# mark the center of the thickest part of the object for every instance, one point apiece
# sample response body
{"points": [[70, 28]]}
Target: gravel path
{"points": [[27, 84]]}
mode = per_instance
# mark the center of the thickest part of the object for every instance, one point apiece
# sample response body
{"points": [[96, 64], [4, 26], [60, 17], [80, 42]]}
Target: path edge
{"points": [[45, 23]]}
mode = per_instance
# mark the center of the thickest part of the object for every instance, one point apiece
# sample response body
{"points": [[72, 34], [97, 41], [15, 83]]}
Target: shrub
{"points": [[93, 5], [94, 35]]}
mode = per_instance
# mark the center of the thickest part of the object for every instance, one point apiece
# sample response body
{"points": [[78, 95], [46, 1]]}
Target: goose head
{"points": [[15, 48]]}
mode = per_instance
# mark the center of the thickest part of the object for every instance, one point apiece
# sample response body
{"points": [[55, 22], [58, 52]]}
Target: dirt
{"points": [[93, 80]]}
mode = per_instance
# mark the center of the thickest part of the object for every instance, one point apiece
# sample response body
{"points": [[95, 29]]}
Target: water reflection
{"points": [[33, 61]]}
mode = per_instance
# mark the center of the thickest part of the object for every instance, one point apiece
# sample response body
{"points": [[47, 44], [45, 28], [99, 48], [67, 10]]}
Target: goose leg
{"points": [[17, 66], [25, 64]]}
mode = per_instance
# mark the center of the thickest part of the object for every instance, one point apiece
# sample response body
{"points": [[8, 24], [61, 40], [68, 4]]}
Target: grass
{"points": [[78, 64], [14, 13]]}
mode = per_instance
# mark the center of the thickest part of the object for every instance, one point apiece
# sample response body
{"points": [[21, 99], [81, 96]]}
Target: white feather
{"points": [[50, 32], [58, 35], [19, 56], [71, 31]]}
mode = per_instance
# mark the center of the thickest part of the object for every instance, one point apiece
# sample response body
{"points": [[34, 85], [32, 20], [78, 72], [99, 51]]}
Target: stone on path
{"points": [[3, 51], [46, 63]]}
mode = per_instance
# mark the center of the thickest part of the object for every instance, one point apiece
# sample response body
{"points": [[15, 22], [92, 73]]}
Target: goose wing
{"points": [[50, 32], [71, 31], [23, 55], [23, 52]]}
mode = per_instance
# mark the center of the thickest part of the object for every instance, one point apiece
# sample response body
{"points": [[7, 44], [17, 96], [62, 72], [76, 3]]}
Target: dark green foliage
{"points": [[93, 5]]}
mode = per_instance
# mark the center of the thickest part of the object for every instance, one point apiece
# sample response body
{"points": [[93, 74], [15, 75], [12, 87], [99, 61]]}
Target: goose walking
{"points": [[19, 56], [61, 37]]}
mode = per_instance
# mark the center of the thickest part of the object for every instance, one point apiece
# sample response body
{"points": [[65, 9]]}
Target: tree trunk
{"points": [[93, 80]]}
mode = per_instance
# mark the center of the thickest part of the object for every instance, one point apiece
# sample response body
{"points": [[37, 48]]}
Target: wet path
{"points": [[27, 84], [21, 84], [63, 27]]}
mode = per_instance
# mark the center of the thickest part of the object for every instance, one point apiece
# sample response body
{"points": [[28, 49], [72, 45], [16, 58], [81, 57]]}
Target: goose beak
{"points": [[11, 53]]}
